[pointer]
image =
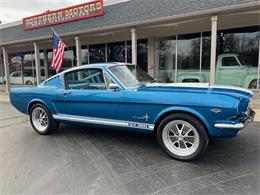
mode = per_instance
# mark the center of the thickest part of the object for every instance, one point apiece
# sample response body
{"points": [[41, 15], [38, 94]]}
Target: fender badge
{"points": [[145, 117], [215, 110]]}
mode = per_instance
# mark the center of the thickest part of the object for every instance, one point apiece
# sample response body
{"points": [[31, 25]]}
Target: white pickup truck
{"points": [[17, 79]]}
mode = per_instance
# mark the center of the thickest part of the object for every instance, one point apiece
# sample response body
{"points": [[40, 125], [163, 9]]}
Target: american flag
{"points": [[57, 53]]}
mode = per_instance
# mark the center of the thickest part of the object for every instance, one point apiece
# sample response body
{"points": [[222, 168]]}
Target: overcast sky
{"points": [[13, 10]]}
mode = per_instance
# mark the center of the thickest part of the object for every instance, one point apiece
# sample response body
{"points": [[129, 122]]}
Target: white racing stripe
{"points": [[198, 85], [102, 121]]}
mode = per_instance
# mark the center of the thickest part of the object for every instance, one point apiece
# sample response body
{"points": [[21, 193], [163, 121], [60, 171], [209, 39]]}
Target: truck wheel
{"points": [[28, 83], [253, 84], [182, 136], [41, 120]]}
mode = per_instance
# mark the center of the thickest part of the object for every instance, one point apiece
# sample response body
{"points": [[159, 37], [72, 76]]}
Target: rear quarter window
{"points": [[55, 82]]}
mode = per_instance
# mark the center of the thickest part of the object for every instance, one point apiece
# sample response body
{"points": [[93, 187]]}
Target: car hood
{"points": [[235, 92]]}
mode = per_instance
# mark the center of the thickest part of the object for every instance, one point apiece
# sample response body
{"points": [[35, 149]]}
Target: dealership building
{"points": [[213, 41]]}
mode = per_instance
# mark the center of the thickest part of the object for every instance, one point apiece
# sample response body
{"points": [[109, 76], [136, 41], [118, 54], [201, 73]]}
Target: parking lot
{"points": [[84, 160]]}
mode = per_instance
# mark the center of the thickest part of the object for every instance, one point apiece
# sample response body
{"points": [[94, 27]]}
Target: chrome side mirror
{"points": [[114, 86]]}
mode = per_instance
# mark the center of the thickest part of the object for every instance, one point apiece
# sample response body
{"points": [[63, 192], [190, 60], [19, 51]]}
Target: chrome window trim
{"points": [[103, 121], [80, 69]]}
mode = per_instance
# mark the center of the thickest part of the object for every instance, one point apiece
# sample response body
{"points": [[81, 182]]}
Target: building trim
{"points": [[214, 11]]}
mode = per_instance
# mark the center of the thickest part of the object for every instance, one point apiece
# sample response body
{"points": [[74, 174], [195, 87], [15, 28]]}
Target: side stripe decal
{"points": [[102, 121]]}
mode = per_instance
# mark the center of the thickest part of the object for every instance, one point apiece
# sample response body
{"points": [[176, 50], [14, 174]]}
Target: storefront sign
{"points": [[82, 11]]}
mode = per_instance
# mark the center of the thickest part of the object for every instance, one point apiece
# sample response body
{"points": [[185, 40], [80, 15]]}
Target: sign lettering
{"points": [[82, 11]]}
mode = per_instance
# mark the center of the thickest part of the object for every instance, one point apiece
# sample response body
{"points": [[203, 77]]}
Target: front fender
{"points": [[187, 110]]}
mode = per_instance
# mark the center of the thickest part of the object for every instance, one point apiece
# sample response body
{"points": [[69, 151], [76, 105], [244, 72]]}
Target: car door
{"points": [[16, 78], [230, 72], [86, 95]]}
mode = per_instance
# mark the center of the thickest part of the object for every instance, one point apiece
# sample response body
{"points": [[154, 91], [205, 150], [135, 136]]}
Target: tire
{"points": [[29, 83], [253, 84], [43, 125], [192, 142]]}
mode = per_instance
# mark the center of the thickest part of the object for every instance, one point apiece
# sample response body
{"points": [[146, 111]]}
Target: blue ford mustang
{"points": [[183, 116]]}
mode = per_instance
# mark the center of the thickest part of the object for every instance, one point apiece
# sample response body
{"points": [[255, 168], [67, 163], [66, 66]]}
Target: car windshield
{"points": [[130, 75]]}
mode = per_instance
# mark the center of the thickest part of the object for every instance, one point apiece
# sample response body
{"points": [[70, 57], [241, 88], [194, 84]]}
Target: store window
{"points": [[237, 57], [2, 70], [142, 54], [116, 52], [188, 58], [166, 59], [21, 67], [205, 57], [84, 55], [129, 51], [236, 60], [97, 53]]}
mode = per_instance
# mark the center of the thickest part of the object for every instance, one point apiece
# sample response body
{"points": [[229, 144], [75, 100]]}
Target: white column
{"points": [[7, 73], [213, 50], [45, 61], [78, 50], [134, 46], [200, 54], [176, 60], [151, 56], [37, 62]]}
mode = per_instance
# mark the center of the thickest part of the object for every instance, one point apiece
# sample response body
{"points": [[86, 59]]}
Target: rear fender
{"points": [[35, 101]]}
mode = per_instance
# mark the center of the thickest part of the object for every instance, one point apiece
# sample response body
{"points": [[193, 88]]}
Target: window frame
{"points": [[238, 62]]}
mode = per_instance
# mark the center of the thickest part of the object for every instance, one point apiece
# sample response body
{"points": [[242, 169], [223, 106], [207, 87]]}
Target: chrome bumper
{"points": [[249, 117]]}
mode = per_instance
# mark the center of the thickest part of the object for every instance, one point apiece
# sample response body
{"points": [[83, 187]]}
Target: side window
{"points": [[108, 80], [229, 61], [15, 74], [85, 79]]}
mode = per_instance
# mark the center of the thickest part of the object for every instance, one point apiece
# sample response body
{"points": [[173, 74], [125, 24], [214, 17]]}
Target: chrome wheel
{"points": [[40, 119], [180, 138]]}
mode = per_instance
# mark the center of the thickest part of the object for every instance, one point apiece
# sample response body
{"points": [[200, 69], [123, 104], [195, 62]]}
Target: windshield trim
{"points": [[122, 64], [115, 78]]}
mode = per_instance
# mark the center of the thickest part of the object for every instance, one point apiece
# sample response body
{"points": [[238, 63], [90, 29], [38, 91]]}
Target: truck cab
{"points": [[231, 70]]}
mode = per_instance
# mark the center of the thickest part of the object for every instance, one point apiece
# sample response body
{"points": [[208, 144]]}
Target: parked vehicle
{"points": [[117, 95], [27, 79], [230, 70]]}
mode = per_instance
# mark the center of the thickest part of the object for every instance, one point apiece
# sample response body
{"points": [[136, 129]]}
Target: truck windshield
{"points": [[130, 75], [241, 60]]}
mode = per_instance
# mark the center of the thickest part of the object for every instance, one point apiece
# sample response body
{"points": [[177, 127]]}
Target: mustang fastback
{"points": [[118, 95]]}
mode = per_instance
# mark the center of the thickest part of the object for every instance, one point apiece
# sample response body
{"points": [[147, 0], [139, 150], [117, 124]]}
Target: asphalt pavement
{"points": [[84, 160]]}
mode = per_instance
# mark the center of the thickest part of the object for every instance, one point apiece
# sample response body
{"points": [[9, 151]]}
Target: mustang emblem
{"points": [[145, 117]]}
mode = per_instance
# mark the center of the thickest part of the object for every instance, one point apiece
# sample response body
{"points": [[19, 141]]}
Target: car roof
{"points": [[96, 65]]}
